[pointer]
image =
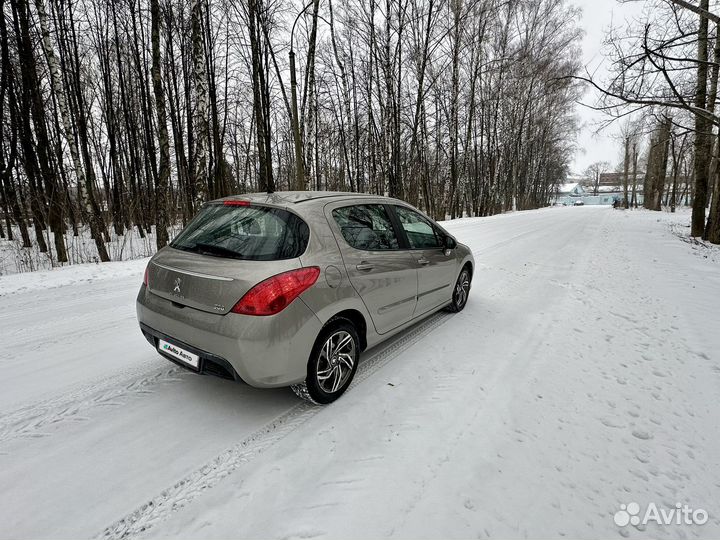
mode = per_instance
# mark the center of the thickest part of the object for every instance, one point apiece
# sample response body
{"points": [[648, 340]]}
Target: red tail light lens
{"points": [[146, 281], [276, 293]]}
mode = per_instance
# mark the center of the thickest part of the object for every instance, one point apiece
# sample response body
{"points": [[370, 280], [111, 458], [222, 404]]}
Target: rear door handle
{"points": [[365, 266], [423, 261]]}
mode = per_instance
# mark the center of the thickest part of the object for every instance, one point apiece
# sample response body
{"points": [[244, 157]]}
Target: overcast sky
{"points": [[597, 17]]}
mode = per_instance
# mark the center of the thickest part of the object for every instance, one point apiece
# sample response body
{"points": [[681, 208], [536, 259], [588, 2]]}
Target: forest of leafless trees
{"points": [[664, 90], [125, 115]]}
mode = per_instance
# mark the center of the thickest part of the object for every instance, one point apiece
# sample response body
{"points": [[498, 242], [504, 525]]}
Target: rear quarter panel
{"points": [[333, 291]]}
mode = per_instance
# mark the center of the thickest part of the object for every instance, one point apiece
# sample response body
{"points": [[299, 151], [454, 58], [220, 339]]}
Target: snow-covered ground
{"points": [[583, 374]]}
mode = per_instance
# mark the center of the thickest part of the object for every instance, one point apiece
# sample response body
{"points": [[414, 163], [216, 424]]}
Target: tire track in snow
{"points": [[95, 299], [29, 420], [504, 242], [520, 232], [479, 252], [208, 475]]}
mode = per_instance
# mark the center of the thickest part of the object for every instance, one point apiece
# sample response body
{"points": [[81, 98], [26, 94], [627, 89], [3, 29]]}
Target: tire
{"points": [[461, 291], [332, 364]]}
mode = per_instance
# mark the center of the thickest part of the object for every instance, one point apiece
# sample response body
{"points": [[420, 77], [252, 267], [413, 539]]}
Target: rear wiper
{"points": [[216, 250]]}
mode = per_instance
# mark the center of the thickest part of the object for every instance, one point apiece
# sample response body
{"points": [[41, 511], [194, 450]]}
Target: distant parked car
{"points": [[579, 203], [287, 289]]}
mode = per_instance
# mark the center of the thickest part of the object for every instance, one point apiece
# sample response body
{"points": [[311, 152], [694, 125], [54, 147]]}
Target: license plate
{"points": [[186, 357]]}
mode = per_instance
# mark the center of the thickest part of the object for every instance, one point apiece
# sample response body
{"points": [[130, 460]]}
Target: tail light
{"points": [[237, 203], [146, 280], [276, 293]]}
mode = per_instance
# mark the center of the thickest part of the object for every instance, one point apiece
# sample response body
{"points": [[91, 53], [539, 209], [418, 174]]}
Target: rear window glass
{"points": [[253, 233]]}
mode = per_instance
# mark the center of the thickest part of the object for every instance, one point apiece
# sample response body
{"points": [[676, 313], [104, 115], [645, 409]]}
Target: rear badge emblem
{"points": [[176, 289]]}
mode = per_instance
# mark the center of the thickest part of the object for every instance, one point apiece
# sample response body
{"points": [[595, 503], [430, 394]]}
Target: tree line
{"points": [[127, 115]]}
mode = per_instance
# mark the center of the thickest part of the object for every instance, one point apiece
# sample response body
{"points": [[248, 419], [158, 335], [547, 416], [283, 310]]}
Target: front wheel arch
{"points": [[456, 305]]}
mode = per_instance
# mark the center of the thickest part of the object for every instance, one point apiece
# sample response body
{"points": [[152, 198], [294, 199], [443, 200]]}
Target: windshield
{"points": [[254, 233]]}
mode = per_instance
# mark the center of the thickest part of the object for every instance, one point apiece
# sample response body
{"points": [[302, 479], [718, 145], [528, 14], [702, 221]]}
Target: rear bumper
{"points": [[210, 364], [265, 352]]}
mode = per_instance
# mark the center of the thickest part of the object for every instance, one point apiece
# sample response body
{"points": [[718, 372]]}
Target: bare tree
{"points": [[201, 105], [596, 170], [161, 187], [665, 66]]}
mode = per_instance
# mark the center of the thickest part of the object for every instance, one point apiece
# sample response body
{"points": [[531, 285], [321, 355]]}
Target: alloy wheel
{"points": [[462, 288], [336, 361]]}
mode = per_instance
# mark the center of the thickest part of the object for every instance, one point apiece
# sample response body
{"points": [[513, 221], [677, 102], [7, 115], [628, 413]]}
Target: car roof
{"points": [[307, 203], [285, 198]]}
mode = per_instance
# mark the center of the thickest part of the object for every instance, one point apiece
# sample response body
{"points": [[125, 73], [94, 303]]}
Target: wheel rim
{"points": [[336, 362], [462, 288]]}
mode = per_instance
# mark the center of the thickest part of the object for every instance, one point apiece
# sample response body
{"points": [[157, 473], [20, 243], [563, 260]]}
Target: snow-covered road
{"points": [[582, 375]]}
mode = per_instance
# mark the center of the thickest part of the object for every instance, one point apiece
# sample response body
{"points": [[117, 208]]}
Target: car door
{"points": [[436, 267], [381, 270]]}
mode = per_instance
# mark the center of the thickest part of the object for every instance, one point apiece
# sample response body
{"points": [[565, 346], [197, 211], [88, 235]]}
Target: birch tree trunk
{"points": [[201, 103], [7, 86], [55, 213], [161, 206], [260, 106], [310, 90], [345, 125]]}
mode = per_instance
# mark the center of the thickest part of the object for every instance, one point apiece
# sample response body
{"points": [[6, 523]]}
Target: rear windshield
{"points": [[252, 233]]}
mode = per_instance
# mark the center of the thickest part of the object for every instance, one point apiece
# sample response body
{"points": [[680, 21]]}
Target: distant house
{"points": [[609, 189], [571, 192], [570, 189], [568, 193], [612, 184], [618, 178]]}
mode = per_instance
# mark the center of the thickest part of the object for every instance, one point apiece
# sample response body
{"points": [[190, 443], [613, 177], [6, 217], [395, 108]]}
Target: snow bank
{"points": [[71, 275]]}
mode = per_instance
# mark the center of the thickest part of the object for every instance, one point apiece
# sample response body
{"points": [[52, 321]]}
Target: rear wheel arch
{"points": [[337, 348], [355, 318]]}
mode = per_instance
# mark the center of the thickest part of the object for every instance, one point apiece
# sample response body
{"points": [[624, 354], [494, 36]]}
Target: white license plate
{"points": [[186, 357]]}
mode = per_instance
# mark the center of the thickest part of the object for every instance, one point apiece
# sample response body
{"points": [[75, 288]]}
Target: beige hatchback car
{"points": [[287, 289]]}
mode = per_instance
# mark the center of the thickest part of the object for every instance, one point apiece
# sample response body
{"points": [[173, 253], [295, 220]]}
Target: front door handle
{"points": [[423, 261], [365, 266]]}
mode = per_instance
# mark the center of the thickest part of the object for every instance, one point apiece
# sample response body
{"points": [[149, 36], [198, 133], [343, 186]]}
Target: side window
{"points": [[366, 227], [420, 232]]}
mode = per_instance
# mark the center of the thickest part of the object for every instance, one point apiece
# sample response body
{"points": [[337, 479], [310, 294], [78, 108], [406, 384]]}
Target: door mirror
{"points": [[450, 243]]}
